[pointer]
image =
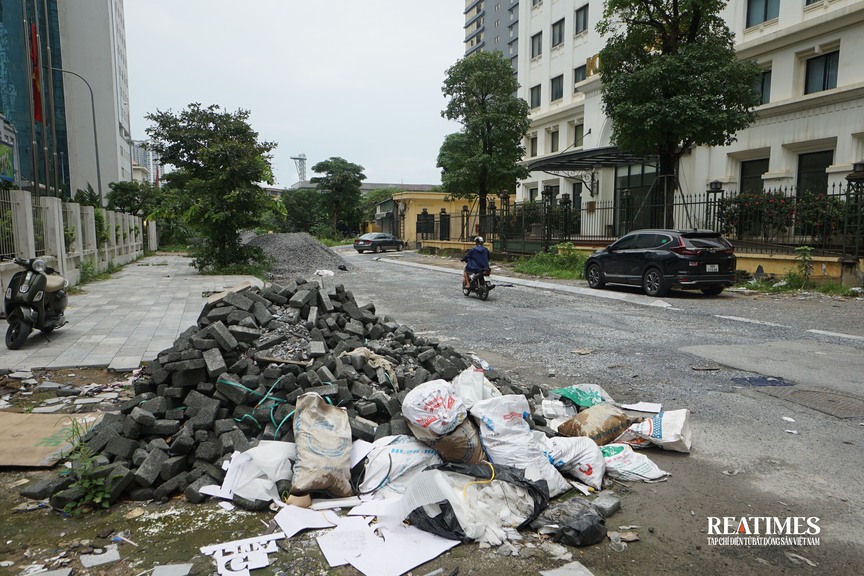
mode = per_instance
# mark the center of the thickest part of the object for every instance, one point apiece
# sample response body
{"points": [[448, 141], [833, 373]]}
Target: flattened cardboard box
{"points": [[38, 440]]}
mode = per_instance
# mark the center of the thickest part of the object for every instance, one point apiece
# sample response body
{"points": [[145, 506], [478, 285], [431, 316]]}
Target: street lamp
{"points": [[95, 135]]}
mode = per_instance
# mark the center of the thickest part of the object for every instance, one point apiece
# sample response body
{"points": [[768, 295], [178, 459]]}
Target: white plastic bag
{"points": [[433, 409], [508, 439], [579, 457], [670, 430], [471, 385], [625, 464], [392, 462]]}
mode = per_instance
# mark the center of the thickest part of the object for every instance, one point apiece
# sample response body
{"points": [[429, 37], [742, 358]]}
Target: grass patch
{"points": [[549, 265], [89, 272], [172, 248], [794, 282], [330, 242]]}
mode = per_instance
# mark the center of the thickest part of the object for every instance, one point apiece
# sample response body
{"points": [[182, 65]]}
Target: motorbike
{"points": [[478, 284], [36, 298]]}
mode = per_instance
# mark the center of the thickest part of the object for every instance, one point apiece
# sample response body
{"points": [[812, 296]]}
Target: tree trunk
{"points": [[666, 174]]}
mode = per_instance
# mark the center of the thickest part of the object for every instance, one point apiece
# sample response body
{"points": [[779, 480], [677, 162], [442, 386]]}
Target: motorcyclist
{"points": [[476, 260]]}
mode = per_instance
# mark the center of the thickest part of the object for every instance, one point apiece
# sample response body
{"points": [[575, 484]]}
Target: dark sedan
{"points": [[659, 260], [377, 242]]}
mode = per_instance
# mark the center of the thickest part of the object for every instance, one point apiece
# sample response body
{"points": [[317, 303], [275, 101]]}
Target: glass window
{"points": [[812, 175], [532, 146], [646, 241], [811, 2], [822, 72], [536, 2], [558, 32], [535, 96], [751, 174], [578, 134], [557, 87], [579, 74], [581, 21], [537, 45], [763, 87], [553, 141], [532, 194], [625, 243], [759, 11]]}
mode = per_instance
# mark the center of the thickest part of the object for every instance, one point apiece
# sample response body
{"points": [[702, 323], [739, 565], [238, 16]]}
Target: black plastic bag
{"points": [[578, 523]]}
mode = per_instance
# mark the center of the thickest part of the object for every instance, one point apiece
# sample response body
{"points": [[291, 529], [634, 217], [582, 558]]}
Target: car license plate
{"points": [[712, 267]]}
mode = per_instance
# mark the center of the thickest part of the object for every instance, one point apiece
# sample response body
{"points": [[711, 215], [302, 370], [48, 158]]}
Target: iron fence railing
{"points": [[765, 221], [7, 225]]}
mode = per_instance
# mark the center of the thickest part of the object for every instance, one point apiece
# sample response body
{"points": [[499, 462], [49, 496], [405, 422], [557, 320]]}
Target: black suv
{"points": [[659, 260]]}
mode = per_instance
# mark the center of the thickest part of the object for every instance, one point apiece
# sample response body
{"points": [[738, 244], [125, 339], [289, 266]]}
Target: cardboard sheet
{"points": [[38, 440], [404, 548]]}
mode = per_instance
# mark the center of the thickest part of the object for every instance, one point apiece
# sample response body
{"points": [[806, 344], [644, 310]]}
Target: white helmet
{"points": [[479, 240]]}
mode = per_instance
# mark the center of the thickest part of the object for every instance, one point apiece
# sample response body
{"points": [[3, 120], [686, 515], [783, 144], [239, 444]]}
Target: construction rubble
{"points": [[293, 396]]}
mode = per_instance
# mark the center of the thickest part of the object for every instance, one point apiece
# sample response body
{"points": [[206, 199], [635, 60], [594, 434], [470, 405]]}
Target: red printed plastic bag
{"points": [[433, 409], [579, 457]]}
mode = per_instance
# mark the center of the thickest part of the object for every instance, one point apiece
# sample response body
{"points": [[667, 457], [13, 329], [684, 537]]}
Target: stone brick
{"points": [[149, 470], [238, 301], [189, 378], [131, 429], [316, 349], [223, 336], [42, 488], [157, 406], [172, 467], [324, 302], [209, 451], [362, 429], [262, 314], [63, 498], [164, 427], [214, 363], [204, 343], [233, 389], [234, 440], [301, 298], [244, 334], [126, 407], [269, 340], [143, 417], [122, 447], [170, 486]]}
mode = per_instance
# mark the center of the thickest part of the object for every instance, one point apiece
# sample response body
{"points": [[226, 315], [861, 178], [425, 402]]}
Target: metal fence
{"points": [[766, 221], [7, 225]]}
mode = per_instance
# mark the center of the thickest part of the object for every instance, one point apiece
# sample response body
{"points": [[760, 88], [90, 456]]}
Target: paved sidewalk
{"points": [[122, 322]]}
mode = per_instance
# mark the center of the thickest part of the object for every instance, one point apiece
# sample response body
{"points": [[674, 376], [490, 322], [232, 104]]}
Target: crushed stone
{"points": [[297, 253]]}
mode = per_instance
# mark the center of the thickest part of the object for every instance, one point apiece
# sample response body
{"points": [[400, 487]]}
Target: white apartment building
{"points": [[93, 37], [808, 132]]}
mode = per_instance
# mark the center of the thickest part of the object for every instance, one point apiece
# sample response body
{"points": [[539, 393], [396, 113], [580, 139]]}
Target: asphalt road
{"points": [[682, 351]]}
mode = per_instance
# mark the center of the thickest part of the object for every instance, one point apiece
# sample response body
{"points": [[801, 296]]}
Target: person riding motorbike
{"points": [[476, 260]]}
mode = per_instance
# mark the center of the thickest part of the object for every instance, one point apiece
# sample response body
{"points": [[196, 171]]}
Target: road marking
{"points": [[837, 334], [751, 321]]}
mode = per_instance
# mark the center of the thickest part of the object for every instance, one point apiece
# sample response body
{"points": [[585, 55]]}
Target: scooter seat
{"points": [[55, 283]]}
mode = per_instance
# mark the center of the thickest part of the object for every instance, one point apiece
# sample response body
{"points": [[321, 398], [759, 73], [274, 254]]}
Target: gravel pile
{"points": [[297, 254]]}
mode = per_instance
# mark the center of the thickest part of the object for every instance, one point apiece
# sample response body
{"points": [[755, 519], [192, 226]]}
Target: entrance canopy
{"points": [[588, 160]]}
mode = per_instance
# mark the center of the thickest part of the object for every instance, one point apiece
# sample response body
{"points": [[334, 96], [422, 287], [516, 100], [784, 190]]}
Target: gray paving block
{"points": [[238, 301], [219, 332], [143, 417], [193, 491], [149, 470], [172, 467], [122, 447], [214, 362]]}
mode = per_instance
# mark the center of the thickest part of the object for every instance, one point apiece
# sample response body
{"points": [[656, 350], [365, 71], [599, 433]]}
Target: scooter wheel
{"points": [[483, 291], [17, 333], [466, 291]]}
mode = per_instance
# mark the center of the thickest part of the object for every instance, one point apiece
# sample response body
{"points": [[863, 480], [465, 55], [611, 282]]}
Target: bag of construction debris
{"points": [[507, 439], [461, 446], [322, 434], [391, 464], [574, 523], [579, 457], [583, 395], [625, 464], [471, 385], [670, 430], [602, 423], [433, 409]]}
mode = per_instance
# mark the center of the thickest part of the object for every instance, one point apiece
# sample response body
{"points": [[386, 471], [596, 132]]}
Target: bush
{"points": [[559, 264]]}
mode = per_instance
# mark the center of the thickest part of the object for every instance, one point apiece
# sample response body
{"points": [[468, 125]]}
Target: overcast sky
{"points": [[356, 79]]}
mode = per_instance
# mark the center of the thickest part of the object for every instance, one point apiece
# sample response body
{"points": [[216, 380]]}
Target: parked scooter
{"points": [[478, 284], [36, 298]]}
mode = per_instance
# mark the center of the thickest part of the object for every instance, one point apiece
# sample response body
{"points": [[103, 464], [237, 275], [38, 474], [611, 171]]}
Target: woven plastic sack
{"points": [[471, 385], [433, 409], [579, 457], [602, 423], [625, 464], [392, 463], [507, 439], [669, 430], [322, 434]]}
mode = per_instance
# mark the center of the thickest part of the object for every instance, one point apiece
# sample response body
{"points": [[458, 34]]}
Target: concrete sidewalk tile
{"points": [[125, 363]]}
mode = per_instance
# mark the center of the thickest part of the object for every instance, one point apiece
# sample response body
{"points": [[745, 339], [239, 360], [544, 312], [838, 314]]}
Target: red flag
{"points": [[37, 84]]}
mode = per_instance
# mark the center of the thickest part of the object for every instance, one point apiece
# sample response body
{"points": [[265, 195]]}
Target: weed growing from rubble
{"points": [[95, 487]]}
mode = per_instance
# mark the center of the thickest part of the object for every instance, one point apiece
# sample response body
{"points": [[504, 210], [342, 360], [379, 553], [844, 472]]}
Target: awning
{"points": [[587, 160]]}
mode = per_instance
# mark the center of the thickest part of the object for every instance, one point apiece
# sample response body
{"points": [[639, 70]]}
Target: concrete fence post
{"points": [[22, 224]]}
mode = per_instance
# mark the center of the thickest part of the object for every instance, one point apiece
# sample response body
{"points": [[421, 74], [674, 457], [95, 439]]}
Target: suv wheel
{"points": [[595, 276], [653, 284]]}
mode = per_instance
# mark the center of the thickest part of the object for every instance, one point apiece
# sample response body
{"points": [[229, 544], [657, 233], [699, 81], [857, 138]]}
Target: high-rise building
{"points": [[492, 25], [93, 36], [808, 129], [30, 45]]}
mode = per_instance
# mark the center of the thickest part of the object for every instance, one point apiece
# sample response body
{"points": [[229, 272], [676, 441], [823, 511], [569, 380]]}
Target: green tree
{"points": [[218, 163], [132, 197], [671, 79], [340, 190], [484, 156], [303, 209]]}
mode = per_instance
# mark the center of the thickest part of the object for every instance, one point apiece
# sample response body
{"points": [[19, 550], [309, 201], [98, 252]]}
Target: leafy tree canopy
{"points": [[218, 164], [671, 78], [371, 199], [484, 156], [137, 198], [303, 209], [340, 190]]}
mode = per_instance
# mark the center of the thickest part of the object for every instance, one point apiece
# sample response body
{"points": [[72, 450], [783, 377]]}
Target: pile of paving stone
{"points": [[232, 380]]}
